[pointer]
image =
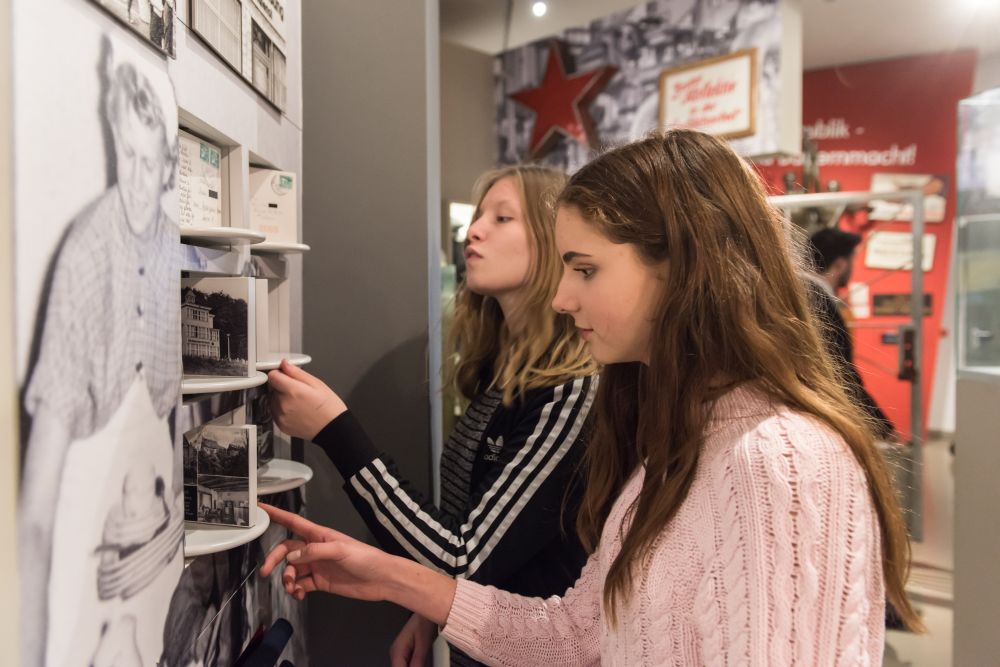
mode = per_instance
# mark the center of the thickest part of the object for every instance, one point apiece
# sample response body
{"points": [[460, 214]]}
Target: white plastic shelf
{"points": [[279, 248], [193, 384], [273, 360], [202, 539], [215, 236], [279, 475]]}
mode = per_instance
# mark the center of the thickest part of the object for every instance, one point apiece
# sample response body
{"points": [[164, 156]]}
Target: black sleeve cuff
{"points": [[344, 440]]}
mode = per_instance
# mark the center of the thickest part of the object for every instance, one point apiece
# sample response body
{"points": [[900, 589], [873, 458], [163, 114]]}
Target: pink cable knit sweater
{"points": [[773, 559]]}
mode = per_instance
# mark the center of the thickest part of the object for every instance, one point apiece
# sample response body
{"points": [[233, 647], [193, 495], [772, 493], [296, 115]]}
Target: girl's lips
{"points": [[585, 333]]}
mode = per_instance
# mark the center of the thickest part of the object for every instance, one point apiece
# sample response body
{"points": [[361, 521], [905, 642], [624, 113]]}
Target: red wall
{"points": [[910, 103]]}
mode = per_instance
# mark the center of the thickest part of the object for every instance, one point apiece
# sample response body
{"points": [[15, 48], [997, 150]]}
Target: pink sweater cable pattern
{"points": [[773, 559]]}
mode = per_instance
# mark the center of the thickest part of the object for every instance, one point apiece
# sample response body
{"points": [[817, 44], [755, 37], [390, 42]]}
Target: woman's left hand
{"points": [[301, 403]]}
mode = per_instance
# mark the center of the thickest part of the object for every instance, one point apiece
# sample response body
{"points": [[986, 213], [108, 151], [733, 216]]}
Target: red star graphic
{"points": [[560, 103]]}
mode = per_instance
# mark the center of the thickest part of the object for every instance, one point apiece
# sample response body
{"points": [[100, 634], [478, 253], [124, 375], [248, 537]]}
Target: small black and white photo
{"points": [[224, 500], [220, 469], [216, 330], [152, 19], [224, 452]]}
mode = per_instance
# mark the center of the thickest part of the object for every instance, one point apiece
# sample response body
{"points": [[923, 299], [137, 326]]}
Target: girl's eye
{"points": [[587, 272], [504, 218]]}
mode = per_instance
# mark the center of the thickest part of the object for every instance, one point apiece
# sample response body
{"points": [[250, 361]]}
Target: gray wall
{"points": [[468, 141], [370, 187], [977, 541]]}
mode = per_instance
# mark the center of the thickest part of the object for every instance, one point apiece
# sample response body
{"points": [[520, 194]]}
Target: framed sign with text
{"points": [[717, 96]]}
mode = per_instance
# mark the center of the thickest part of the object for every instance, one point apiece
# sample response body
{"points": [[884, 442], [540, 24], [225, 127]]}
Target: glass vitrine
{"points": [[978, 246]]}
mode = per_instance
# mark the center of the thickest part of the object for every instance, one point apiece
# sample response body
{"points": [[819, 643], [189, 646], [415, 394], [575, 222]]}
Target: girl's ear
{"points": [[662, 268]]}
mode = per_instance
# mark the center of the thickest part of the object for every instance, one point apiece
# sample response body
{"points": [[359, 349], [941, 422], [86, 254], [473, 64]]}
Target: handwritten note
{"points": [[199, 182], [273, 208]]}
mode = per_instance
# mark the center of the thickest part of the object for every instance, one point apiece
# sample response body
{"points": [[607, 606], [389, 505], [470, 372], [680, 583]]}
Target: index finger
{"points": [[297, 524]]}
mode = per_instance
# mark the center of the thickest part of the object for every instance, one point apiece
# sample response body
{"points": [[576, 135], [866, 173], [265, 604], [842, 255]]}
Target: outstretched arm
{"points": [[322, 559], [484, 622]]}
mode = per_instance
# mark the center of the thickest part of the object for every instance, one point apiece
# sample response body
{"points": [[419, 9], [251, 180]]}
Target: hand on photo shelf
{"points": [[301, 403], [413, 643], [321, 559]]}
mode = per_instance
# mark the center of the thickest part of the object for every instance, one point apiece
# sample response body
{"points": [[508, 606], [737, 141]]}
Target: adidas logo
{"points": [[495, 446]]}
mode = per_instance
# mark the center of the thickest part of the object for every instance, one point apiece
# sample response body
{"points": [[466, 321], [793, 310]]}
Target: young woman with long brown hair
{"points": [[508, 466], [737, 508]]}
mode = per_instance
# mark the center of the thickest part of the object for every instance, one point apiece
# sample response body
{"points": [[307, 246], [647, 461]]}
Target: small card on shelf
{"points": [[220, 475], [199, 182], [273, 207], [218, 326]]}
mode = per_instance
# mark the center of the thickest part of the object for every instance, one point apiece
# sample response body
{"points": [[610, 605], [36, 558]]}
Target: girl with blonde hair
{"points": [[508, 466]]}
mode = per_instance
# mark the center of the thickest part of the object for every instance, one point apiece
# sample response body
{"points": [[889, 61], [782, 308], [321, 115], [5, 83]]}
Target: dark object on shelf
{"points": [[260, 414], [265, 650]]}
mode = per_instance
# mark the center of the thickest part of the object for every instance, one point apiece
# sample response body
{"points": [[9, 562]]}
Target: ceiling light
{"points": [[539, 9]]}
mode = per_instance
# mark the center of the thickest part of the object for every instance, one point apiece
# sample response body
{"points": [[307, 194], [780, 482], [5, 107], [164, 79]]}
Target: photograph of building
{"points": [[201, 339], [217, 338], [220, 469]]}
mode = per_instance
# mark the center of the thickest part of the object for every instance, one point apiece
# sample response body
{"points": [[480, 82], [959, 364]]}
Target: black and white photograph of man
{"points": [[100, 368]]}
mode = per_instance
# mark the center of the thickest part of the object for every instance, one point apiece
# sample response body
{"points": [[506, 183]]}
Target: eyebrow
{"points": [[570, 256]]}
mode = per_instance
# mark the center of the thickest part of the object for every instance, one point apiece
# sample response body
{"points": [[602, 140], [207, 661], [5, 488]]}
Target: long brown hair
{"points": [[732, 307], [547, 349]]}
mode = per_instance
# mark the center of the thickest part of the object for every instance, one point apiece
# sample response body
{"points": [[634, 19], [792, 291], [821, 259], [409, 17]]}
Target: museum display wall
{"points": [[157, 262]]}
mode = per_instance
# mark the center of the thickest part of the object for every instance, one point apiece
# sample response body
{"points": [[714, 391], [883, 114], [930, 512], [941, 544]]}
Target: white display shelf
{"points": [[201, 539], [279, 248], [278, 475], [215, 236], [273, 360], [192, 384]]}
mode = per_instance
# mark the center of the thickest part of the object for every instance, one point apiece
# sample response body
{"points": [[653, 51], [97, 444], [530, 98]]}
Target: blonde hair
{"points": [[732, 307], [546, 350]]}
